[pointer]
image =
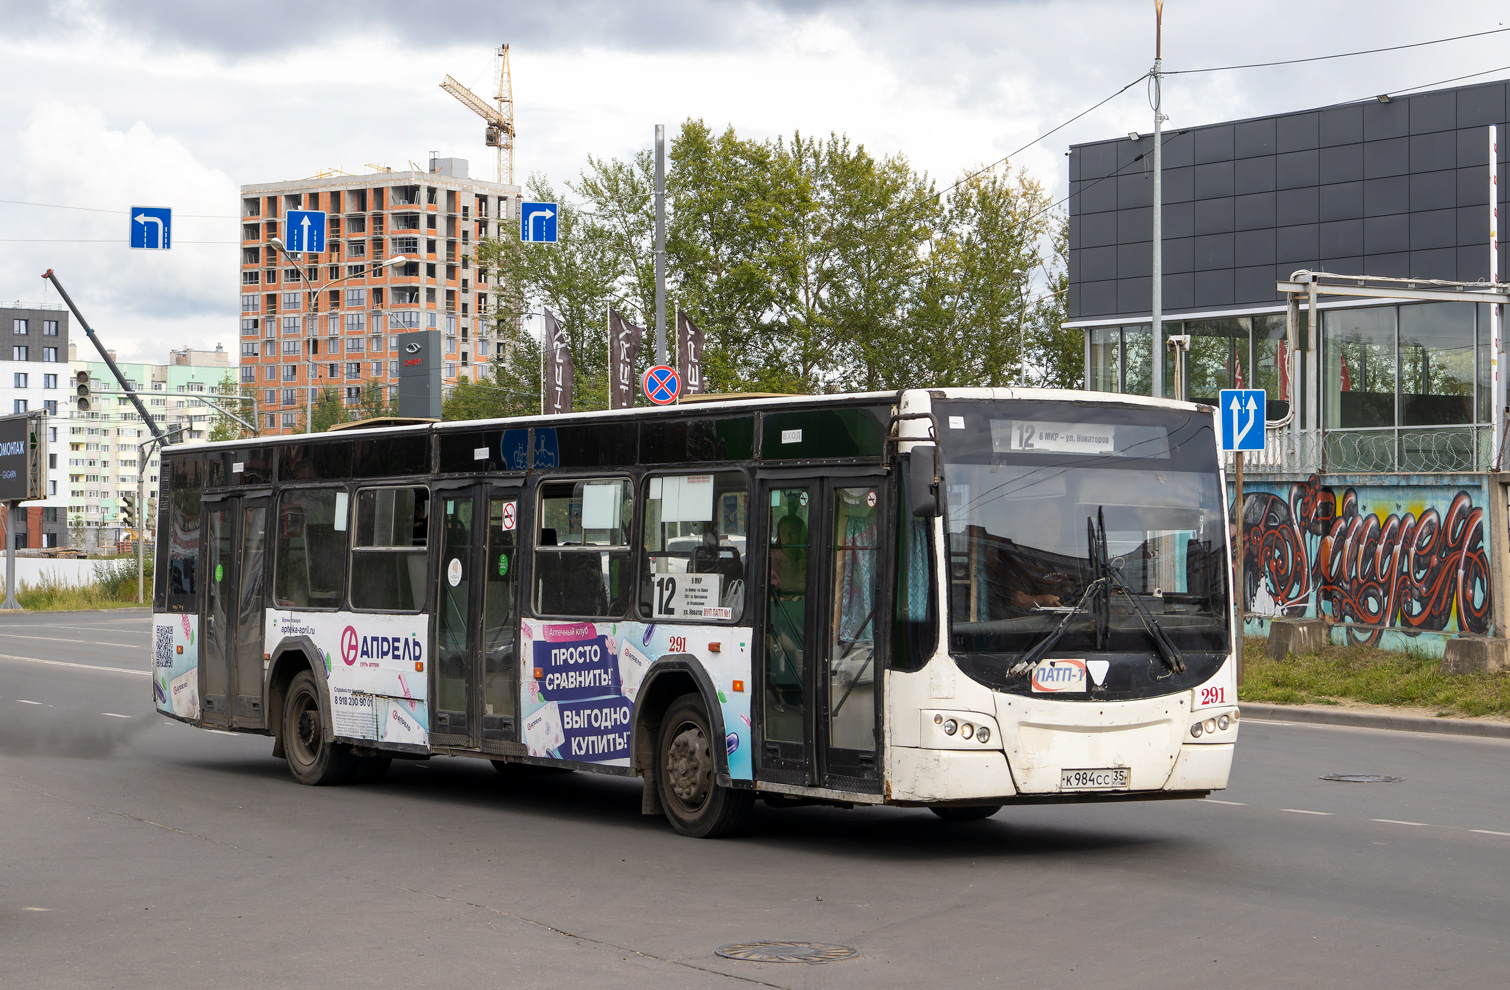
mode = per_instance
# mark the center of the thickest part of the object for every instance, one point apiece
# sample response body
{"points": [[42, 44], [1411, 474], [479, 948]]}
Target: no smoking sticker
{"points": [[870, 499], [802, 499], [510, 513]]}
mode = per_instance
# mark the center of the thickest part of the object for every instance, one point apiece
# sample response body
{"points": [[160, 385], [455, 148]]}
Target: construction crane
{"points": [[500, 119]]}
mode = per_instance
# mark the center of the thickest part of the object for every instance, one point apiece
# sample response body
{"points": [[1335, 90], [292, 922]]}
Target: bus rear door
{"points": [[231, 664]]}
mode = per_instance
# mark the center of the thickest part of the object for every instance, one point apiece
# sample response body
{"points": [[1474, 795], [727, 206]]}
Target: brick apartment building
{"points": [[333, 320]]}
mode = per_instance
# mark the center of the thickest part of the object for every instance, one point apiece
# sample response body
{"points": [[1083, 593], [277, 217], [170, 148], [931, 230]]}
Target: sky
{"points": [[111, 104]]}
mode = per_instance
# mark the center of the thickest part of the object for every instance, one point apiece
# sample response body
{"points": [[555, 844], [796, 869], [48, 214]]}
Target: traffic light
{"points": [[128, 510], [82, 401]]}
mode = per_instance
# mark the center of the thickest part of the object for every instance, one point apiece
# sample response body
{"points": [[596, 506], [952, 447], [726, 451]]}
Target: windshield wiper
{"points": [[1046, 644], [1097, 586], [1168, 652]]}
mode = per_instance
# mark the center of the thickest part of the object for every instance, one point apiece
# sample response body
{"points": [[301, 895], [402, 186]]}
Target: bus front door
{"points": [[231, 664], [819, 695], [475, 668]]}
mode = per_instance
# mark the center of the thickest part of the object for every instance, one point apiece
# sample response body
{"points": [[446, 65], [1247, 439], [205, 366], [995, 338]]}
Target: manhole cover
{"points": [[787, 952], [1362, 778]]}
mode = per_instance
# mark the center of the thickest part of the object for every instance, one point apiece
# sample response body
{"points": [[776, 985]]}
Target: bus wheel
{"points": [[685, 774], [965, 812], [311, 759]]}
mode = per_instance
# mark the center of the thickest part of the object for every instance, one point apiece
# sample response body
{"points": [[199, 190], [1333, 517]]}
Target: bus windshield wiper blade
{"points": [[1168, 652], [1097, 585], [1044, 645]]}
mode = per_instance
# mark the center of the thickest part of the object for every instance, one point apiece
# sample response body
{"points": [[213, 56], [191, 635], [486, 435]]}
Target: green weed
{"points": [[1374, 676]]}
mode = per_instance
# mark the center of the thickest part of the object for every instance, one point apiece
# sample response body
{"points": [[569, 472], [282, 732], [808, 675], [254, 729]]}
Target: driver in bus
{"points": [[1023, 572]]}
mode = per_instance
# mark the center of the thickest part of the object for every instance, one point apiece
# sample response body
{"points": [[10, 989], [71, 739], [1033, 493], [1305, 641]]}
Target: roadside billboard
{"points": [[22, 456]]}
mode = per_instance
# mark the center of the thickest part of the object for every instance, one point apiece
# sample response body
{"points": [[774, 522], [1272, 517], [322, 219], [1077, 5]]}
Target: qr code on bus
{"points": [[163, 647]]}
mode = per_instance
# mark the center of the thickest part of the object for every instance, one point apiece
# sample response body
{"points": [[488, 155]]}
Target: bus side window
{"points": [[311, 537], [183, 532], [389, 549], [695, 547], [914, 624], [582, 548]]}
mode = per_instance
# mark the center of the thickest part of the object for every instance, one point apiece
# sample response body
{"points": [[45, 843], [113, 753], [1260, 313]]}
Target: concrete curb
{"points": [[1373, 720]]}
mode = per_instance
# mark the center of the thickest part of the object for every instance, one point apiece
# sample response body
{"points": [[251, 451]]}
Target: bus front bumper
{"points": [[1053, 750]]}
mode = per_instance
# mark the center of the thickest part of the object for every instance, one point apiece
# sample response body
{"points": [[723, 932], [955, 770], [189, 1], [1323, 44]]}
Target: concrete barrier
{"points": [[69, 571]]}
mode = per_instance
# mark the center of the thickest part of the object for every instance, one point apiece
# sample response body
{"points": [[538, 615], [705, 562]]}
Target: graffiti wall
{"points": [[1387, 563]]}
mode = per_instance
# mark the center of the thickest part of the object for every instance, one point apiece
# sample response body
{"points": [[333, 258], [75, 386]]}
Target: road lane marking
{"points": [[1302, 811], [36, 909], [80, 666], [23, 701], [1235, 804], [114, 715], [1486, 831], [1395, 821], [84, 642]]}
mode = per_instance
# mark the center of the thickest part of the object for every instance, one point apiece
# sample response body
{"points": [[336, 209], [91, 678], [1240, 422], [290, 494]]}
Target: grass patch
{"points": [[114, 586], [1374, 676]]}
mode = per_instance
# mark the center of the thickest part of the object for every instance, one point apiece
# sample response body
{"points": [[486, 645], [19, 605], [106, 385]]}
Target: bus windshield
{"points": [[1034, 488]]}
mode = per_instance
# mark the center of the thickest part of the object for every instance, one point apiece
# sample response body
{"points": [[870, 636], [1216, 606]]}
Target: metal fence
{"points": [[1402, 451]]}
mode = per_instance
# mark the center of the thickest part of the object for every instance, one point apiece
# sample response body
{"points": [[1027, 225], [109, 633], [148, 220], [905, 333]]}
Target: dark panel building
{"points": [[1397, 188]]}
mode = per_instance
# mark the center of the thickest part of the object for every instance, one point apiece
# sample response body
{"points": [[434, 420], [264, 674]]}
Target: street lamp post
{"points": [[313, 295], [1022, 326]]}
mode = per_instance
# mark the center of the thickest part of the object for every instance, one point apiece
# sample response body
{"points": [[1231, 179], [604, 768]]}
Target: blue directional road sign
{"points": [[1242, 418], [152, 227], [537, 222], [662, 384], [304, 230]]}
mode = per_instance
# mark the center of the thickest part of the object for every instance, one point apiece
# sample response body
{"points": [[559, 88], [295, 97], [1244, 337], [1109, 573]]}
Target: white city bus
{"points": [[953, 598]]}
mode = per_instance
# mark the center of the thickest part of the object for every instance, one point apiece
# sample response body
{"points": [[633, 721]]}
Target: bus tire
{"points": [[964, 812], [311, 759], [686, 773]]}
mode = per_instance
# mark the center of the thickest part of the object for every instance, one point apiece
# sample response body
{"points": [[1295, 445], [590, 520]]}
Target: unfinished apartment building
{"points": [[333, 319]]}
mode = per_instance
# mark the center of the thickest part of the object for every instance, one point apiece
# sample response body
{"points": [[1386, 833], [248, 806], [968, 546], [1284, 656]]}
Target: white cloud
{"points": [[142, 302], [114, 105]]}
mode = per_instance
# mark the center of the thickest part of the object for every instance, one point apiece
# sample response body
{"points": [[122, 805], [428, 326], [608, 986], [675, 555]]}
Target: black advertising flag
{"points": [[689, 351], [558, 367], [624, 339]]}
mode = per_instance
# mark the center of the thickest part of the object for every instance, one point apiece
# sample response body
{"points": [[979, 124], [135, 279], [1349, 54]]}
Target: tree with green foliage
{"points": [[373, 401], [575, 278], [810, 265], [330, 409], [230, 393], [1056, 355]]}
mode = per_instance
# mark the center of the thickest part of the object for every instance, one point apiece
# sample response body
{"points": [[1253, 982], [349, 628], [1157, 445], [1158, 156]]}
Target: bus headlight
{"points": [[983, 734], [1195, 730], [950, 727], [1223, 722], [966, 730]]}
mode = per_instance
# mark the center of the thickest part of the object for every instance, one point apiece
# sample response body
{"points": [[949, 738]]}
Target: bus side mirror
{"points": [[921, 471]]}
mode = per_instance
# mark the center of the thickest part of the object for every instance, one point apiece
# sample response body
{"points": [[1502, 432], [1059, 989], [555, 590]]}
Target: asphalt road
{"points": [[137, 852]]}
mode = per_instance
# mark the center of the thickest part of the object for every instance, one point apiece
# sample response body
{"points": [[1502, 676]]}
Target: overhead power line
{"points": [[91, 240], [96, 209], [1323, 58], [1045, 134]]}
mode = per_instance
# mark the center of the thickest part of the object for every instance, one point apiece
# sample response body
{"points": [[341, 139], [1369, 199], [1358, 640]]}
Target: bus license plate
{"points": [[1104, 779]]}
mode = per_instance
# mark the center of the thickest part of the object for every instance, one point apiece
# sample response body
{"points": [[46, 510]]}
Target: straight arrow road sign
{"points": [[151, 228], [304, 231]]}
